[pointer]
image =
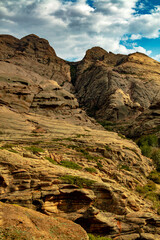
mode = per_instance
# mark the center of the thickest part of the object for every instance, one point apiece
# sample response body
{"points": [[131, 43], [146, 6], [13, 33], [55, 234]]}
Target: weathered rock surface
{"points": [[35, 54], [57, 160], [117, 88], [105, 204], [21, 223]]}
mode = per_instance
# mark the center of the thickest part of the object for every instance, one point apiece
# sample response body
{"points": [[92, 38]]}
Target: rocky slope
{"points": [[35, 54], [85, 175], [118, 88], [58, 161], [22, 223]]}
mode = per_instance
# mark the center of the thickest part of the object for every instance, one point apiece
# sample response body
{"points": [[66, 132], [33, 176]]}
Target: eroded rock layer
{"points": [[56, 160], [117, 88]]}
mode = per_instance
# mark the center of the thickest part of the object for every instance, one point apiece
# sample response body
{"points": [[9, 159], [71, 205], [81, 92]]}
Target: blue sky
{"points": [[73, 26]]}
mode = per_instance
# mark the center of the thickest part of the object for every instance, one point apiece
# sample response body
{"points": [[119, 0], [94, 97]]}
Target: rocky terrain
{"points": [[120, 89], [23, 223], [61, 165]]}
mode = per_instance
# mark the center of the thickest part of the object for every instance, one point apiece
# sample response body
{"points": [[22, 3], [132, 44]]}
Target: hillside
{"points": [[124, 90], [58, 162]]}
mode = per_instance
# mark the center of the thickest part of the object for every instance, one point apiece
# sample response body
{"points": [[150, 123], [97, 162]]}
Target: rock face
{"points": [[100, 207], [102, 202], [27, 91], [22, 223], [35, 54], [56, 160], [117, 87]]}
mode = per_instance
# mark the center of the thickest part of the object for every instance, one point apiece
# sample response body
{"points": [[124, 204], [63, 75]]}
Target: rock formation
{"points": [[56, 160], [22, 223], [117, 88]]}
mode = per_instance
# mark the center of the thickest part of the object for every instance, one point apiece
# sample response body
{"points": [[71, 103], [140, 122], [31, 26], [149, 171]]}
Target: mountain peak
{"points": [[95, 53]]}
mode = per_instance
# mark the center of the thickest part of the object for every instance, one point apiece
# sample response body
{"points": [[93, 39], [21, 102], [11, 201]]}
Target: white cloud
{"points": [[73, 26], [135, 36], [157, 57]]}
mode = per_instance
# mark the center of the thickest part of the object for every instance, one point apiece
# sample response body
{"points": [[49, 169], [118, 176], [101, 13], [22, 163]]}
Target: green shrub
{"points": [[70, 164], [34, 149], [51, 160], [91, 170], [155, 177], [125, 167], [149, 187], [150, 140], [92, 237], [80, 182], [156, 158], [7, 146], [107, 147], [109, 126], [146, 150], [87, 155], [99, 165]]}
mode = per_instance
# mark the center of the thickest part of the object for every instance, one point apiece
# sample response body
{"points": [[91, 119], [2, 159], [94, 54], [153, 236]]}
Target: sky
{"points": [[73, 26]]}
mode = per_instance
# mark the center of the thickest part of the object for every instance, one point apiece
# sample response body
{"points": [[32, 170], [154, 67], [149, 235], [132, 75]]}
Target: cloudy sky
{"points": [[73, 26]]}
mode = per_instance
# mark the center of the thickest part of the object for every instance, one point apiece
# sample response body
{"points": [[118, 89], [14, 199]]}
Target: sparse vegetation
{"points": [[91, 170], [155, 177], [70, 164], [107, 147], [156, 158], [99, 165], [109, 126], [149, 187], [7, 146], [34, 149], [80, 182], [149, 140], [92, 237], [122, 136], [149, 146], [125, 167], [14, 233], [51, 160]]}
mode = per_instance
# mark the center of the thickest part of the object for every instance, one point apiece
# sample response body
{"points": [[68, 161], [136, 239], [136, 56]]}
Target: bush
{"points": [[155, 177], [70, 164], [80, 182], [92, 237], [156, 158], [34, 149], [51, 160], [149, 140], [99, 165], [146, 150], [125, 167], [149, 187]]}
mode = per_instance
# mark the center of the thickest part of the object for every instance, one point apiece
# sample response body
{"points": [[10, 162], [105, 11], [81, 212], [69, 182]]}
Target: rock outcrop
{"points": [[36, 55], [116, 88], [33, 174], [113, 87], [22, 223]]}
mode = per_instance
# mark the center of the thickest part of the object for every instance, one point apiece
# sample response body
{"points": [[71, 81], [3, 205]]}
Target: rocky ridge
{"points": [[118, 88]]}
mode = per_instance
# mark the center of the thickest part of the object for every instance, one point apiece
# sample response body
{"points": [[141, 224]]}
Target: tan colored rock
{"points": [[21, 223], [101, 207]]}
